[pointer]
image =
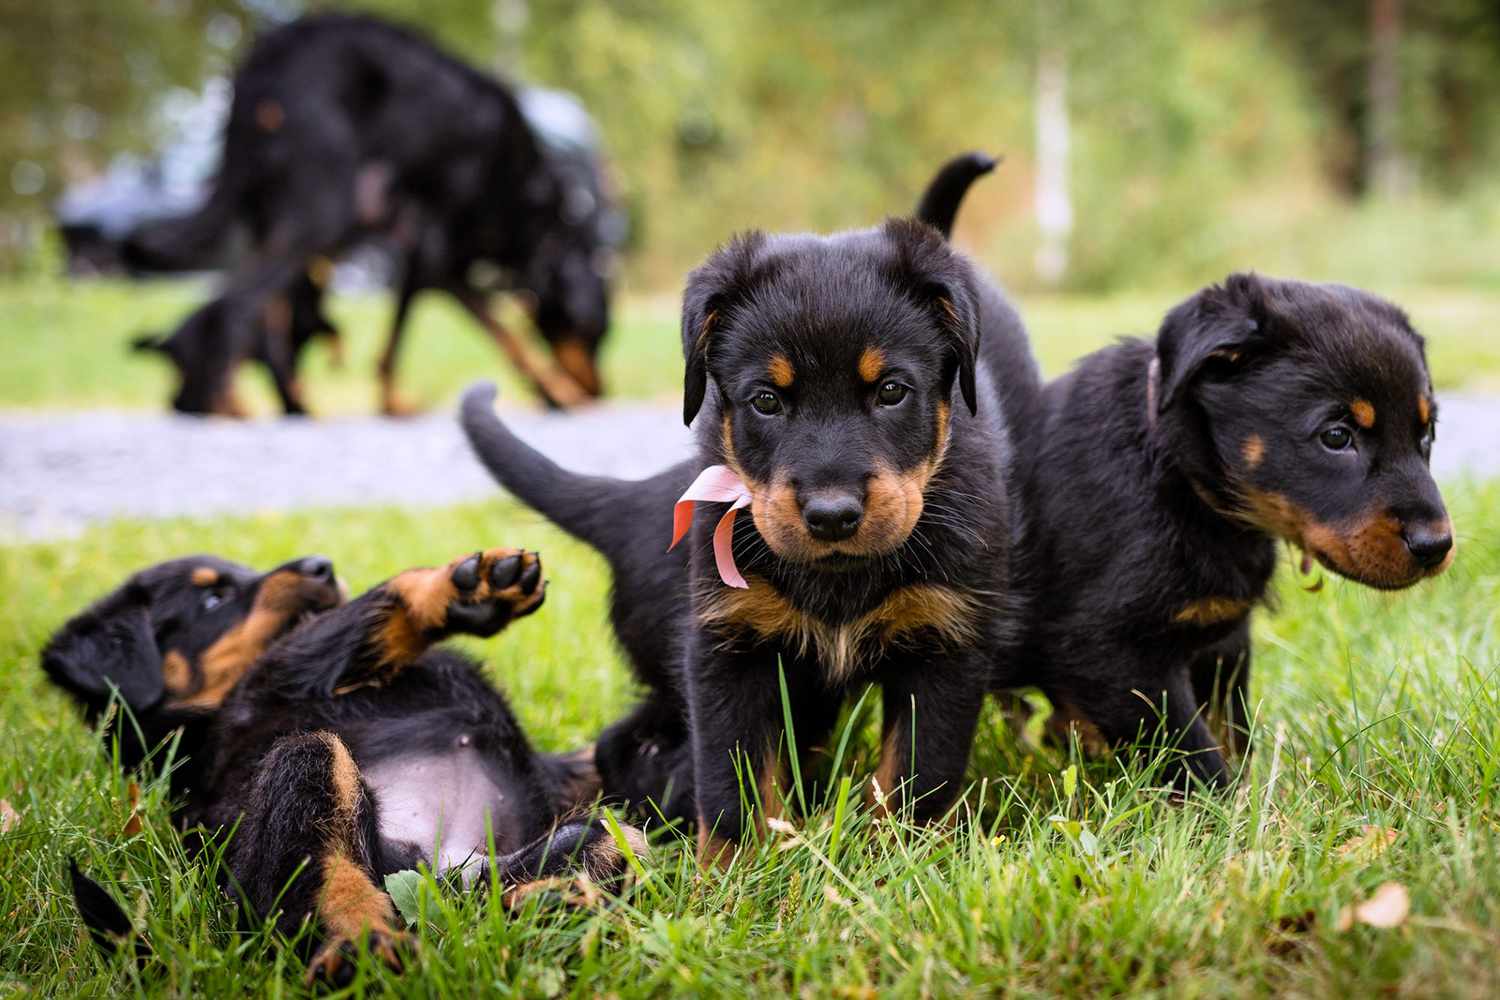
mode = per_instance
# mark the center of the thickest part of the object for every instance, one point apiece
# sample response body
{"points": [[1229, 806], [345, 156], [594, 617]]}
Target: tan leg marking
{"points": [[1212, 611]]}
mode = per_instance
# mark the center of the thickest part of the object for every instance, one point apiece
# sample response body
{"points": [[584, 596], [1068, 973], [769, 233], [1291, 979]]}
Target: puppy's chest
{"points": [[848, 636]]}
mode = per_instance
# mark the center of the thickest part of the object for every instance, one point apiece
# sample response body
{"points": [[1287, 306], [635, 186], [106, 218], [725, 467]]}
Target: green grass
{"points": [[63, 345], [1374, 710]]}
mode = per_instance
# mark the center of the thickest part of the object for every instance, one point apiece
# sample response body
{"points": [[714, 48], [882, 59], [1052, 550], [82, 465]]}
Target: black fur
{"points": [[818, 304], [344, 128], [324, 746], [1161, 475]]}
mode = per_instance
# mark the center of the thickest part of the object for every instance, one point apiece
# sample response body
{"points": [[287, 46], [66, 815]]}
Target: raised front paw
{"points": [[492, 588], [336, 961]]}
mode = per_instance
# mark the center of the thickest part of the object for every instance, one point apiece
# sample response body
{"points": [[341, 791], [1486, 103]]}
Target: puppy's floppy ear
{"points": [[1221, 324], [941, 282], [713, 289], [109, 646]]}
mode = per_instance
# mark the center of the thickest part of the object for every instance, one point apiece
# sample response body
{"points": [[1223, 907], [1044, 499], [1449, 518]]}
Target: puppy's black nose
{"points": [[1429, 543], [833, 517], [316, 568]]}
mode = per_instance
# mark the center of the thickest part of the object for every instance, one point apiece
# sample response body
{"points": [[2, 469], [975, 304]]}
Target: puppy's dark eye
{"points": [[891, 393], [766, 403], [213, 599], [1336, 438]]}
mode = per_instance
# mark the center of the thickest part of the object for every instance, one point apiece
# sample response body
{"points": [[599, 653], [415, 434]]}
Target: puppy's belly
{"points": [[441, 804]]}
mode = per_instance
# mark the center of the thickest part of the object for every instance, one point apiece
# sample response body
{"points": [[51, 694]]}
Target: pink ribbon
{"points": [[715, 484]]}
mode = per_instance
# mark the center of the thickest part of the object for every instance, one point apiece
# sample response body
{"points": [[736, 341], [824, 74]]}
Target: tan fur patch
{"points": [[425, 595], [871, 363], [225, 662], [888, 774], [1424, 410], [771, 781], [176, 673], [781, 371], [205, 576], [574, 358], [843, 649], [343, 775], [1253, 451], [1368, 548], [1212, 611], [603, 860], [349, 902], [320, 271], [714, 851], [1363, 412], [269, 115]]}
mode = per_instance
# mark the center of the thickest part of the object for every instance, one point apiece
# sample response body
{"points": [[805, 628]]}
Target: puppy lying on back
{"points": [[341, 741], [836, 382], [1162, 475]]}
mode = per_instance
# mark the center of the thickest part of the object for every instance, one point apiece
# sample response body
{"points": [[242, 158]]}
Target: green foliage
{"points": [[1062, 875]]}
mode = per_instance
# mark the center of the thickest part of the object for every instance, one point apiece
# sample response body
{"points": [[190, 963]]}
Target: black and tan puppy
{"points": [[345, 747], [1163, 474], [838, 380]]}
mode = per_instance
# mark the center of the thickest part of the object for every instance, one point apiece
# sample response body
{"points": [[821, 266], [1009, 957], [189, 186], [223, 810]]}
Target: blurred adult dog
{"points": [[1160, 476], [840, 380], [345, 127], [344, 744]]}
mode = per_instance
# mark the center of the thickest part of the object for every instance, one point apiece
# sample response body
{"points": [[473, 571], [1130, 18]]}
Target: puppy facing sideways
{"points": [[1162, 474], [341, 740], [835, 388]]}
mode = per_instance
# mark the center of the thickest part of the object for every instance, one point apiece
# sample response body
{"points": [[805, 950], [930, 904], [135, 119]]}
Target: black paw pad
{"points": [[531, 577], [466, 574], [503, 572]]}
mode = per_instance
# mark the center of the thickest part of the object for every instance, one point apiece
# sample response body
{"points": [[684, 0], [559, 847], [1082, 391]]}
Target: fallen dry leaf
{"points": [[9, 818], [1370, 843], [1388, 907]]}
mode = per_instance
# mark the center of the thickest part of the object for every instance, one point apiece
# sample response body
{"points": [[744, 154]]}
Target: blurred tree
{"points": [[79, 80], [1398, 86]]}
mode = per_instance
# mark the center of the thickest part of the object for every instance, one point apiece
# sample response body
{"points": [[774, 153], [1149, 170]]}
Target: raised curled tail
{"points": [[106, 921], [939, 204], [599, 510]]}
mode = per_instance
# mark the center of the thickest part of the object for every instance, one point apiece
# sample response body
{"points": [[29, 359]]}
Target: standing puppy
{"points": [[836, 381], [1162, 475]]}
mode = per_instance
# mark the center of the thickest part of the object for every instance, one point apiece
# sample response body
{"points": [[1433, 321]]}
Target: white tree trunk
{"points": [[1054, 207], [1388, 171]]}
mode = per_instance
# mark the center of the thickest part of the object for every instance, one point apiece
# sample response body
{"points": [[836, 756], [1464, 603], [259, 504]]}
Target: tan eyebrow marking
{"points": [[871, 363], [1364, 413], [1253, 450], [781, 371], [1424, 410], [205, 576]]}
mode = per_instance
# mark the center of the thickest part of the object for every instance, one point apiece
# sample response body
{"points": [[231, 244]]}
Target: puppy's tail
{"points": [[939, 204], [604, 512], [106, 921]]}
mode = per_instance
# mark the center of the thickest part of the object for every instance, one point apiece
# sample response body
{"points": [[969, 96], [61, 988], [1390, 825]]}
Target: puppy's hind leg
{"points": [[583, 849], [308, 847]]}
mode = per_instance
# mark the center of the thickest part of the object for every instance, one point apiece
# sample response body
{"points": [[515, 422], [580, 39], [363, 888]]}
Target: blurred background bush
{"points": [[1155, 144]]}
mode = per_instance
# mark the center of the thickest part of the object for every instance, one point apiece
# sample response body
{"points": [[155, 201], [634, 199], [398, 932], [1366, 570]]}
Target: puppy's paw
{"points": [[336, 961], [492, 588]]}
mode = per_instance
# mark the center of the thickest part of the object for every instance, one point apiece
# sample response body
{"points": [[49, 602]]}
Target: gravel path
{"points": [[60, 472]]}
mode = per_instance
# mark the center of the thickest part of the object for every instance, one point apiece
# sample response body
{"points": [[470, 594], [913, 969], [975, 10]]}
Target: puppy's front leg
{"points": [[382, 632], [930, 709], [734, 713]]}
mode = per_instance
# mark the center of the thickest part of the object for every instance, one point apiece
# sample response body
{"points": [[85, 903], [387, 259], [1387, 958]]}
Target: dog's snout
{"points": [[316, 568], [1429, 543], [832, 517]]}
